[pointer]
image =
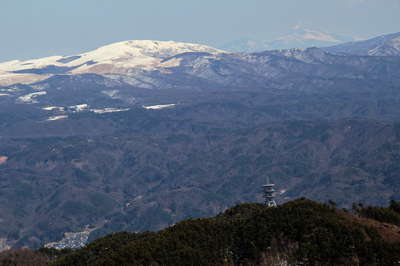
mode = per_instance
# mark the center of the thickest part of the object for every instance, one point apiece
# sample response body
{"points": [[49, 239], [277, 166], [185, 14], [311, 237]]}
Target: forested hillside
{"points": [[300, 232]]}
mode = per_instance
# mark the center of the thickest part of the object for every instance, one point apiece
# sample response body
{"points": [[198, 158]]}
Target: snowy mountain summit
{"points": [[117, 58]]}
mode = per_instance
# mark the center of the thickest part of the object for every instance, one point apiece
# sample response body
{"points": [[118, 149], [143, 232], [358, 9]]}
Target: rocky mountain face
{"points": [[140, 135]]}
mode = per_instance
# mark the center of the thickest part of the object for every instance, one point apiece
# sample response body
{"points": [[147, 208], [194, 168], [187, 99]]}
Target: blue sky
{"points": [[37, 28]]}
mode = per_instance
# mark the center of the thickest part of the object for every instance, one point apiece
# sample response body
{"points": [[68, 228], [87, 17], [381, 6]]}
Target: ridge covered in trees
{"points": [[300, 232]]}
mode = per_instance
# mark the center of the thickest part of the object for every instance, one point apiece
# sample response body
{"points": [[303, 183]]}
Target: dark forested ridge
{"points": [[300, 232]]}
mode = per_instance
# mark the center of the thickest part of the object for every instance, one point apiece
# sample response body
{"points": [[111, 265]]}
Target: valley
{"points": [[188, 131]]}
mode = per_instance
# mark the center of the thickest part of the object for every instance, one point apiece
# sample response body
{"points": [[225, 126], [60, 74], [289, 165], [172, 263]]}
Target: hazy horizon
{"points": [[37, 29]]}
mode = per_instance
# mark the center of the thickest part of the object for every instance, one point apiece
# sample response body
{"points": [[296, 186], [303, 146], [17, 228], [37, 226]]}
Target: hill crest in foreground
{"points": [[300, 232]]}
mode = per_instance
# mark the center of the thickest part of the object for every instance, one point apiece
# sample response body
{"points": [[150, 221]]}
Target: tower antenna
{"points": [[269, 193]]}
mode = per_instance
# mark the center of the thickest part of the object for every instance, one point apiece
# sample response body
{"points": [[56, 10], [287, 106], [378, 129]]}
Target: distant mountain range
{"points": [[137, 62], [297, 38], [139, 135], [386, 45]]}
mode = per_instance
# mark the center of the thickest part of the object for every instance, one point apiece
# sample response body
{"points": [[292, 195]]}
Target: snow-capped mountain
{"points": [[150, 64], [386, 45], [121, 57], [297, 38], [170, 65]]}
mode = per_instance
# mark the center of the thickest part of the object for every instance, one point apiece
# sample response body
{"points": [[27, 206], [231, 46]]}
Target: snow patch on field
{"points": [[12, 89], [57, 117], [30, 98], [54, 108], [160, 106], [108, 110], [79, 107]]}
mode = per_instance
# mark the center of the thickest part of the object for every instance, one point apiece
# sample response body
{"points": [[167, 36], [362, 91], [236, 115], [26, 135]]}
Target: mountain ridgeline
{"points": [[139, 135]]}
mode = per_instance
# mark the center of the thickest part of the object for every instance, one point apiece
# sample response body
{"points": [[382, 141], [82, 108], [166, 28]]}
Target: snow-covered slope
{"points": [[386, 45], [121, 57]]}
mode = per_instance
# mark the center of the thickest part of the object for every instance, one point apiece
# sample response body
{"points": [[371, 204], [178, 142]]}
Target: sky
{"points": [[38, 28]]}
